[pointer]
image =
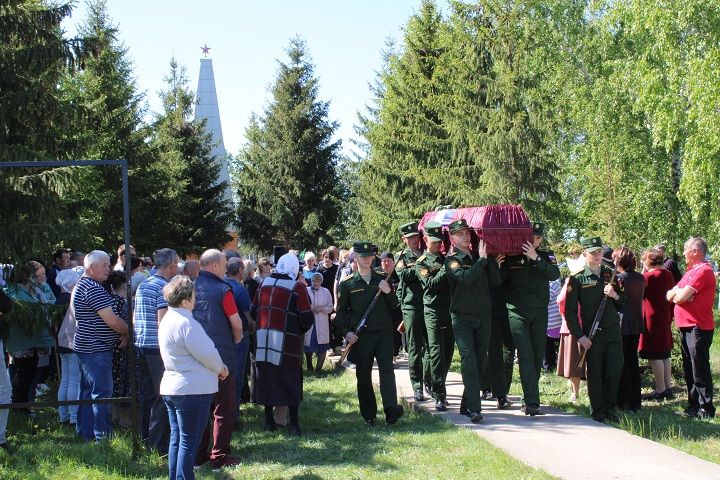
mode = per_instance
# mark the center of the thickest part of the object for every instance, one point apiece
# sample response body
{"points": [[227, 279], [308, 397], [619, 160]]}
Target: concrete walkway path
{"points": [[565, 445]]}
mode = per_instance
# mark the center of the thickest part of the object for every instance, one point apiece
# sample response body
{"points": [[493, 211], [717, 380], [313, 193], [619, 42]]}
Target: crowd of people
{"points": [[214, 332]]}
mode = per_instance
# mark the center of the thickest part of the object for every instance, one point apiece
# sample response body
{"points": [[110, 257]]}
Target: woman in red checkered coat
{"points": [[283, 313]]}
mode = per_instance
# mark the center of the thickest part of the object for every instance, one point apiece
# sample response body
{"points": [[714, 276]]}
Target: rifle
{"points": [[598, 315], [364, 318]]}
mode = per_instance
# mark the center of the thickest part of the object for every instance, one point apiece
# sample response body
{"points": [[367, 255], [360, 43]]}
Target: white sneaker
{"points": [[41, 389]]}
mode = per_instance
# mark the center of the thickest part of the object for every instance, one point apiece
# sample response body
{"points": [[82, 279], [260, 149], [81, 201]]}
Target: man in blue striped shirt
{"points": [[150, 307], [98, 330]]}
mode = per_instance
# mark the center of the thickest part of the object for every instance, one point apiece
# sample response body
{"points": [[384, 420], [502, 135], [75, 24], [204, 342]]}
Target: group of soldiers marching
{"points": [[481, 303]]}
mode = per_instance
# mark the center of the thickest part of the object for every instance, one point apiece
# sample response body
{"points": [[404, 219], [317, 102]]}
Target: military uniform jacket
{"points": [[527, 280], [430, 270], [410, 290], [470, 280], [585, 289], [355, 296]]}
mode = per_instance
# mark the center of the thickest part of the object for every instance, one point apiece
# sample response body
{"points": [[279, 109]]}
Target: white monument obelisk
{"points": [[207, 108]]}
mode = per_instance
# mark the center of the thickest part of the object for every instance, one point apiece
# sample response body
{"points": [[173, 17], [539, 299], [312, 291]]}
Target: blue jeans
{"points": [[69, 386], [242, 350], [5, 393], [94, 422], [188, 415]]}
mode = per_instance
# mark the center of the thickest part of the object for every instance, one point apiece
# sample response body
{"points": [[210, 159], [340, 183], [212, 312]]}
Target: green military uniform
{"points": [[430, 270], [470, 278], [605, 357], [410, 294], [501, 351], [375, 340], [528, 297]]}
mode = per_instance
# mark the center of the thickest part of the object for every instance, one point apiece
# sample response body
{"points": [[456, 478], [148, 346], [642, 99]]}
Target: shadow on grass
{"points": [[334, 435]]}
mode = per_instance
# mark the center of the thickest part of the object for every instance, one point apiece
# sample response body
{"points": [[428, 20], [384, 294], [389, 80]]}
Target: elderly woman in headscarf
{"points": [[317, 339], [282, 311]]}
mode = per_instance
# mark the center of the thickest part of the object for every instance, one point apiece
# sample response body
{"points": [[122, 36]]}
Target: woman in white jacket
{"points": [[192, 368], [317, 339]]}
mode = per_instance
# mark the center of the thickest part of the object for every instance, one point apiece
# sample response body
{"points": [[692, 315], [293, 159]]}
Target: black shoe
{"points": [[655, 396], [668, 394], [504, 402], [294, 430], [370, 422], [533, 411], [419, 397], [440, 405], [392, 414], [707, 411], [463, 408], [691, 412], [270, 426], [486, 394], [475, 417], [600, 419], [613, 418]]}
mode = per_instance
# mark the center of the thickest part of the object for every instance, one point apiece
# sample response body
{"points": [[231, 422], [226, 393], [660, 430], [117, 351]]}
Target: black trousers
{"points": [[155, 425], [22, 373], [552, 345], [695, 344], [629, 390]]}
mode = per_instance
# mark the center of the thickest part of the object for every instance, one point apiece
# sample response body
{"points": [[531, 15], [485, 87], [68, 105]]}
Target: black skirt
{"points": [[277, 386]]}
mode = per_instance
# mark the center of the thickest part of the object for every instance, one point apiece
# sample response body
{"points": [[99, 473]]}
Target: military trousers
{"points": [[418, 357], [441, 342], [371, 346], [472, 336], [501, 355], [529, 332], [604, 367]]}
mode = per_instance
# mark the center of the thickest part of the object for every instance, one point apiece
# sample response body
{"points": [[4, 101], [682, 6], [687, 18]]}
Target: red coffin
{"points": [[504, 228]]}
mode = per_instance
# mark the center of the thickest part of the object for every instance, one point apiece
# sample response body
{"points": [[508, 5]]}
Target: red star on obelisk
{"points": [[205, 50]]}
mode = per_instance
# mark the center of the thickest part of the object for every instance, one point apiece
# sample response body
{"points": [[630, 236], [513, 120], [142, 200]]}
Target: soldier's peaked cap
{"points": [[457, 225], [409, 229], [434, 231], [591, 244], [364, 249]]}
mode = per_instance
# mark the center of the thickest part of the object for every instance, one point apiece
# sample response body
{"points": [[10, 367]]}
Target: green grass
{"points": [[335, 444], [656, 421]]}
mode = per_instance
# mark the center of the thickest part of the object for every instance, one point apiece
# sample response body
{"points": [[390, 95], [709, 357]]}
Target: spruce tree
{"points": [[403, 174], [33, 57], [199, 215], [286, 179], [498, 107], [112, 127]]}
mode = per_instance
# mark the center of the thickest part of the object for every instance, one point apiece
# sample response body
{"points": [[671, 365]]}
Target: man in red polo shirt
{"points": [[694, 297]]}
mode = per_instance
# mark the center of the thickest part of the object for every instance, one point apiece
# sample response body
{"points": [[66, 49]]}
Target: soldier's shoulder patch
{"points": [[569, 288], [422, 257], [454, 265], [400, 265], [347, 276], [424, 272]]}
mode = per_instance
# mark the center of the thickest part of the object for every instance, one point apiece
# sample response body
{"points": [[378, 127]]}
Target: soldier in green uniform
{"points": [[497, 377], [410, 294], [470, 276], [586, 289], [375, 340], [430, 269], [527, 278]]}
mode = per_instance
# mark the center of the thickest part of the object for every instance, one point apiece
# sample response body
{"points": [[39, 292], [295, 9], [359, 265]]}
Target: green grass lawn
{"points": [[656, 421], [336, 444]]}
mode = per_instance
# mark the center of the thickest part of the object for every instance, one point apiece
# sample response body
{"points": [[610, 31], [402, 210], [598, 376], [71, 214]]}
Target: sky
{"points": [[344, 38]]}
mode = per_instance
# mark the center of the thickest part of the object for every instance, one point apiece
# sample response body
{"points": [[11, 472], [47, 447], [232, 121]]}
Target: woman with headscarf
{"points": [[283, 314]]}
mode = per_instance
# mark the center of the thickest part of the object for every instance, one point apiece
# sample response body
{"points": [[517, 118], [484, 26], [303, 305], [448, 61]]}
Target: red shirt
{"points": [[229, 305], [697, 312]]}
